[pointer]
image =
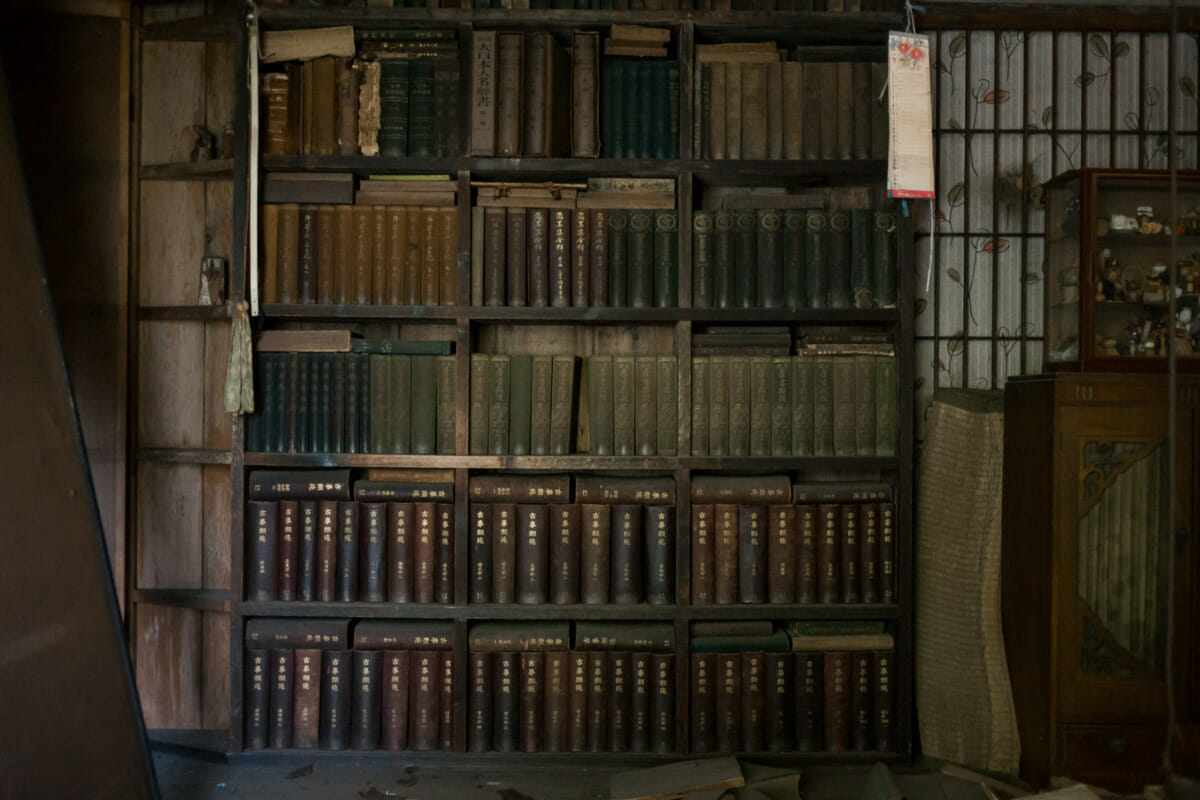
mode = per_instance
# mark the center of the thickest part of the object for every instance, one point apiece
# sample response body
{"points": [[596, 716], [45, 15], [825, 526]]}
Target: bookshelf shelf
{"points": [[182, 455], [197, 599], [595, 314], [568, 463], [502, 611], [184, 313], [215, 169]]}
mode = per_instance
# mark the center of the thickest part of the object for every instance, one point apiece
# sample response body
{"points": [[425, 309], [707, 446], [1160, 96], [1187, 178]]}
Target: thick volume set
{"points": [[808, 686], [306, 688], [760, 539], [315, 536], [532, 542], [532, 691]]}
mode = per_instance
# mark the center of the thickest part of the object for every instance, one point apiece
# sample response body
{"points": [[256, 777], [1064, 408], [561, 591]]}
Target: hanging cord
{"points": [[1172, 169]]}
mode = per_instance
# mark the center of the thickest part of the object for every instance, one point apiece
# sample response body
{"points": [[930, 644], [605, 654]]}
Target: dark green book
{"points": [[883, 259], [306, 423], [445, 98], [640, 258], [816, 258], [354, 363], [745, 259], [739, 407], [446, 413], [540, 399], [845, 441], [381, 391], [478, 417], [724, 260], [861, 236], [564, 389], [770, 259], [334, 428], [400, 401], [613, 108], [287, 411], [886, 410], [498, 404], [840, 265], [781, 406], [666, 258], [702, 259], [718, 404], [760, 405], [393, 107], [660, 137], [632, 113], [624, 437], [811, 134], [520, 405], [618, 258], [421, 140], [364, 404], [865, 414], [600, 405], [424, 405], [794, 282], [645, 400], [646, 96], [700, 409], [666, 406], [822, 405], [673, 109]]}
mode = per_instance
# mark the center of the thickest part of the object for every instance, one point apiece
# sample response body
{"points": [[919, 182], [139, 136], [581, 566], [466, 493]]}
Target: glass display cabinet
{"points": [[1116, 250]]}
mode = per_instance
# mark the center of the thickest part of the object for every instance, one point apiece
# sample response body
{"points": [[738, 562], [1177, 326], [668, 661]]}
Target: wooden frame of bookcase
{"points": [[854, 31]]}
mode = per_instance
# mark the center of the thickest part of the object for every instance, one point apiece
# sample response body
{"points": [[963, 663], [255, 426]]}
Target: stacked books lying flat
{"points": [[807, 687], [313, 536], [760, 539], [794, 258], [615, 244], [381, 397], [805, 405], [531, 544], [386, 253], [307, 688], [531, 691], [398, 98], [752, 103]]}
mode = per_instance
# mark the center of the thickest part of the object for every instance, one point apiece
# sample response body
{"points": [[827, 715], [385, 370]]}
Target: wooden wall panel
{"points": [[173, 85], [170, 522], [222, 77], [171, 386], [169, 666], [216, 497], [172, 242], [214, 700]]}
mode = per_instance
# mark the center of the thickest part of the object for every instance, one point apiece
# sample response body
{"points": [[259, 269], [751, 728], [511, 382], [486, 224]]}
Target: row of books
{"points": [[639, 108], [806, 405], [360, 254], [753, 104], [619, 5], [560, 257], [355, 402], [794, 258], [632, 406]]}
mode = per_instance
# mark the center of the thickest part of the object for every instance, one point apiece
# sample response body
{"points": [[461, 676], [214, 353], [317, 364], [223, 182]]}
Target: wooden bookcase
{"points": [[857, 36]]}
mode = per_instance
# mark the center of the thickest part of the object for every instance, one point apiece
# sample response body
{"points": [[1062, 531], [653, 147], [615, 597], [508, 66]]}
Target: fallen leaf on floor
{"points": [[512, 794], [303, 772]]}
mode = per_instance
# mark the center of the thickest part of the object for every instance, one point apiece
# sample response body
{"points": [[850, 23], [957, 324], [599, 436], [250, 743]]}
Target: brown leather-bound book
{"points": [[538, 258], [509, 57], [379, 255], [754, 702], [299, 82], [558, 265], [505, 703], [850, 554], [580, 259], [532, 553], [810, 687], [725, 547], [836, 700], [262, 559], [447, 247], [324, 106], [255, 699], [703, 703], [335, 700], [446, 703], [729, 702], [887, 552], [577, 701], [595, 555], [275, 113], [546, 111], [372, 567], [365, 699], [845, 110], [361, 274], [662, 706], [641, 677], [479, 704], [424, 551], [394, 702], [598, 700], [779, 683], [515, 279], [829, 572], [270, 261], [327, 541], [659, 535], [399, 552], [413, 240], [346, 583], [431, 267], [344, 249], [627, 554], [503, 488], [733, 109], [703, 555], [425, 687], [793, 109], [868, 559], [443, 585], [862, 687], [481, 552], [585, 97], [741, 488], [620, 701], [288, 268], [807, 521], [306, 708], [494, 253], [781, 554], [531, 702], [830, 132], [752, 554], [279, 730], [346, 79], [564, 553], [326, 252], [483, 94], [774, 108], [754, 111], [881, 672], [556, 680], [598, 256], [504, 552]]}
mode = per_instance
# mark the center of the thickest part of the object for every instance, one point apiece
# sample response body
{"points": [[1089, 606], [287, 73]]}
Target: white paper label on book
{"points": [[910, 116]]}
